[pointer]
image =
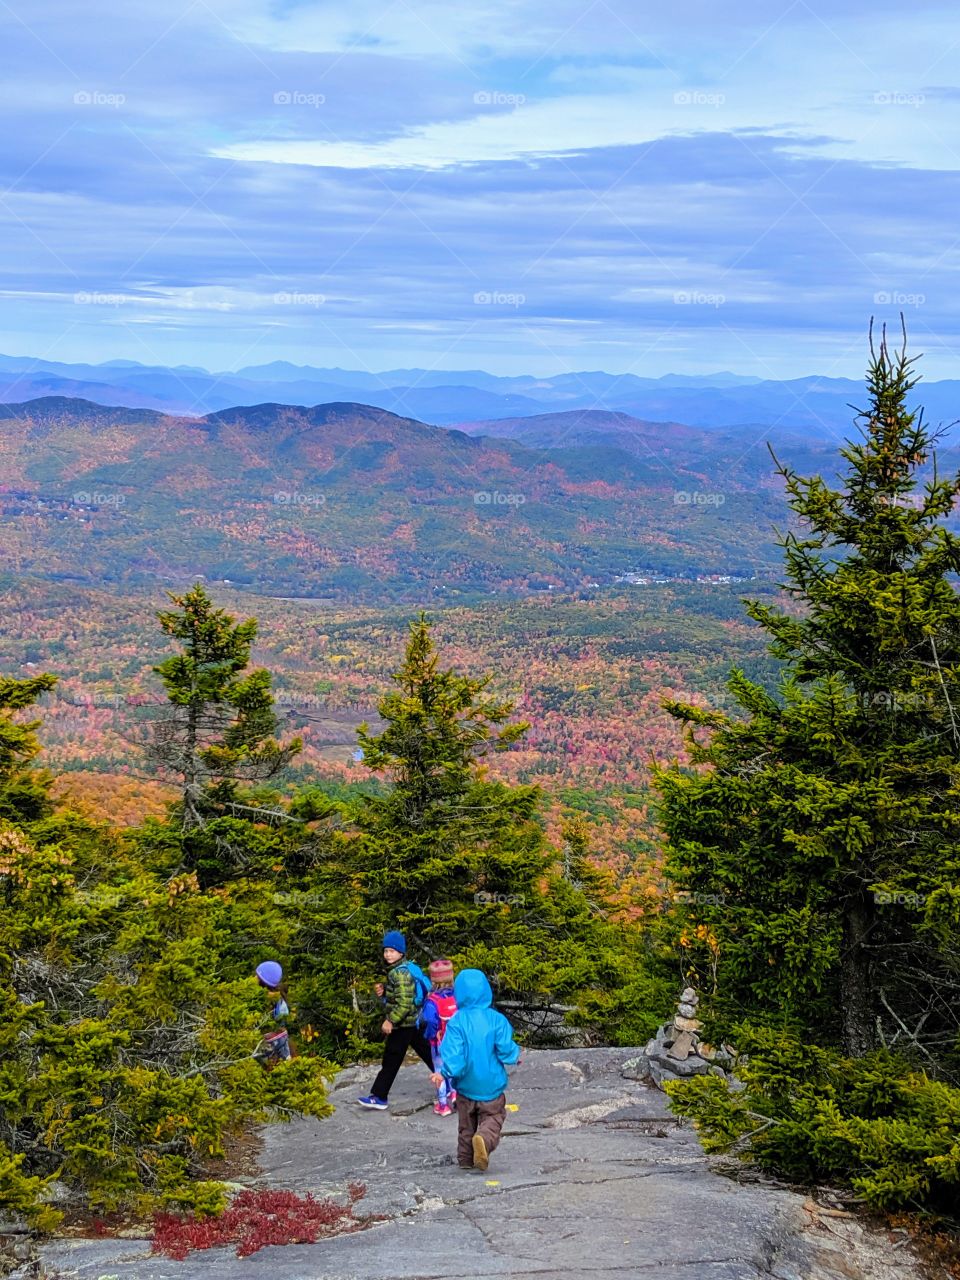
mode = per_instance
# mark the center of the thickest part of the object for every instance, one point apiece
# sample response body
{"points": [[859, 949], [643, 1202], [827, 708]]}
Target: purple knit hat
{"points": [[270, 974]]}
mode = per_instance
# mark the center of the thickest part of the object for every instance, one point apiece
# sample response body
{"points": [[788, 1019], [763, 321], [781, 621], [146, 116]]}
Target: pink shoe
{"points": [[452, 1097], [438, 1110], [444, 1111]]}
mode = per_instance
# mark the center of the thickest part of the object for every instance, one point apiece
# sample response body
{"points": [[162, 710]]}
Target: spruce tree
{"points": [[219, 733], [448, 852], [23, 791], [460, 861], [816, 841]]}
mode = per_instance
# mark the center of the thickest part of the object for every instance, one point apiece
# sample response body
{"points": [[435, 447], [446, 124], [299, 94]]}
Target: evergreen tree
{"points": [[128, 1015], [461, 863], [23, 791], [817, 849], [448, 852], [219, 732]]}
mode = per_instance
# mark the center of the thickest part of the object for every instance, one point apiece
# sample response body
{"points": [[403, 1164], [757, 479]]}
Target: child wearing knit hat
{"points": [[402, 996], [275, 1045], [438, 1008]]}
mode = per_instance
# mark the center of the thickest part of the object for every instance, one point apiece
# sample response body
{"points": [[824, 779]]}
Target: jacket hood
{"points": [[472, 990]]}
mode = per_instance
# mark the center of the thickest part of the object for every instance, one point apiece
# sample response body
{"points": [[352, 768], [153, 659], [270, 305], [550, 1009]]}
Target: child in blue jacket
{"points": [[477, 1049]]}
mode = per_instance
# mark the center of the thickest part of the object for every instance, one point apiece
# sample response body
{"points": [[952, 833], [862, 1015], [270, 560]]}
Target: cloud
{"points": [[399, 160]]}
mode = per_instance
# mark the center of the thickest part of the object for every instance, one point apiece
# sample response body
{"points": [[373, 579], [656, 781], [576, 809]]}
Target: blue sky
{"points": [[517, 186]]}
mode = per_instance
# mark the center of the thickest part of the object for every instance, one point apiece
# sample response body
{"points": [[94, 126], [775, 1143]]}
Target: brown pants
{"points": [[485, 1118]]}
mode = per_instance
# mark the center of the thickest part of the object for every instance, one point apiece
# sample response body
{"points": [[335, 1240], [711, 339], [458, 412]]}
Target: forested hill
{"points": [[734, 451], [348, 500]]}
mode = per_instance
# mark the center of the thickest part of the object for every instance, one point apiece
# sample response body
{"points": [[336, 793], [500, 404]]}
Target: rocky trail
{"points": [[593, 1178]]}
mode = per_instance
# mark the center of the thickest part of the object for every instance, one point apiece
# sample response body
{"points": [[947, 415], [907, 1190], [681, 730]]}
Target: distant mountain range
{"points": [[347, 500], [816, 407], [736, 451]]}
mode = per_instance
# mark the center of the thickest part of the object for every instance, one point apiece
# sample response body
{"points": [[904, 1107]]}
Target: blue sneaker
{"points": [[373, 1103]]}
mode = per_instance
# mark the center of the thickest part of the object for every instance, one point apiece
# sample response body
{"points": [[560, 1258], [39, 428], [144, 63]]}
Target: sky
{"points": [[521, 186]]}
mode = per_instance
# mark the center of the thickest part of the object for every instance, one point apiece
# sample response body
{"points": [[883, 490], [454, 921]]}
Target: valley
{"points": [[588, 675], [592, 563]]}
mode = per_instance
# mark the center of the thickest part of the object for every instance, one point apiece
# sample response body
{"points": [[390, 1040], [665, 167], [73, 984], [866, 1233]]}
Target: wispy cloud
{"points": [[340, 184]]}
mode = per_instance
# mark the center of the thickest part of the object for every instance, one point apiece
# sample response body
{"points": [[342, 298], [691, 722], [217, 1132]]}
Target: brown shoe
{"points": [[480, 1157]]}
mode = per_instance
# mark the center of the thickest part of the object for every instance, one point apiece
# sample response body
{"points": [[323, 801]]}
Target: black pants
{"points": [[398, 1042]]}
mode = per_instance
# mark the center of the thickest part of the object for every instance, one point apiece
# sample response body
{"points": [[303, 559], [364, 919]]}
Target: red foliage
{"points": [[258, 1218]]}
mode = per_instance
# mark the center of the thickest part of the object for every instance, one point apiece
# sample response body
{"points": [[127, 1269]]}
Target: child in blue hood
{"points": [[477, 1049]]}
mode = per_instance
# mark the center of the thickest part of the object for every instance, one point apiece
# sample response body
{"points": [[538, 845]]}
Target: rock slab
{"points": [[593, 1179]]}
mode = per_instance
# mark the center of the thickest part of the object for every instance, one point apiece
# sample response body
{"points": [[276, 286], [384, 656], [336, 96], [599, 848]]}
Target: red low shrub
{"points": [[258, 1218]]}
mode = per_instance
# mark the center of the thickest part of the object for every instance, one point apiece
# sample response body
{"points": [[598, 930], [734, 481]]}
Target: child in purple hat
{"points": [[275, 1045]]}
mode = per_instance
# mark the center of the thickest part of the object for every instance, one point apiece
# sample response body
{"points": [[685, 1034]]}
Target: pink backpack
{"points": [[446, 1008]]}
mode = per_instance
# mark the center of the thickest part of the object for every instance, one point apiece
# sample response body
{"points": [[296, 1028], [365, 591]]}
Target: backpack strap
{"points": [[420, 983]]}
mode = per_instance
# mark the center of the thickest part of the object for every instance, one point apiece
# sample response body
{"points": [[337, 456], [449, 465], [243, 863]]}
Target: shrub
{"points": [[874, 1123], [128, 1023], [256, 1219]]}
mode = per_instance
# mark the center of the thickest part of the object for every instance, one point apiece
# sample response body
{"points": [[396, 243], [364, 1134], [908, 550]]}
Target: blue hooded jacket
{"points": [[479, 1041]]}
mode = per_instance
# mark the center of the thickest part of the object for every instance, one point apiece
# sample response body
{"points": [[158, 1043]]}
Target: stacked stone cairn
{"points": [[677, 1051]]}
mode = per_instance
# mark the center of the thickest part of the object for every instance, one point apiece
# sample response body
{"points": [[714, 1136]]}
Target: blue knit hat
{"points": [[393, 938], [270, 974]]}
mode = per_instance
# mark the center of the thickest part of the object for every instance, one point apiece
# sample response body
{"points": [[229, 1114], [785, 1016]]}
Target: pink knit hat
{"points": [[440, 970]]}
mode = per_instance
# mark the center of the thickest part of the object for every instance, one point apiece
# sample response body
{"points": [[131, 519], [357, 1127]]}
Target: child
{"points": [[275, 1046], [403, 995], [438, 1008], [477, 1048]]}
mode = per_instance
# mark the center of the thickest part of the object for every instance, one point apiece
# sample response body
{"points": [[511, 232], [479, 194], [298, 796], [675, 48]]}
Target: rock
{"points": [[706, 1050], [636, 1068], [658, 1073], [615, 1188], [667, 1065], [687, 1010], [353, 1077], [682, 1045], [689, 996], [686, 1024], [59, 1193], [693, 1066]]}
